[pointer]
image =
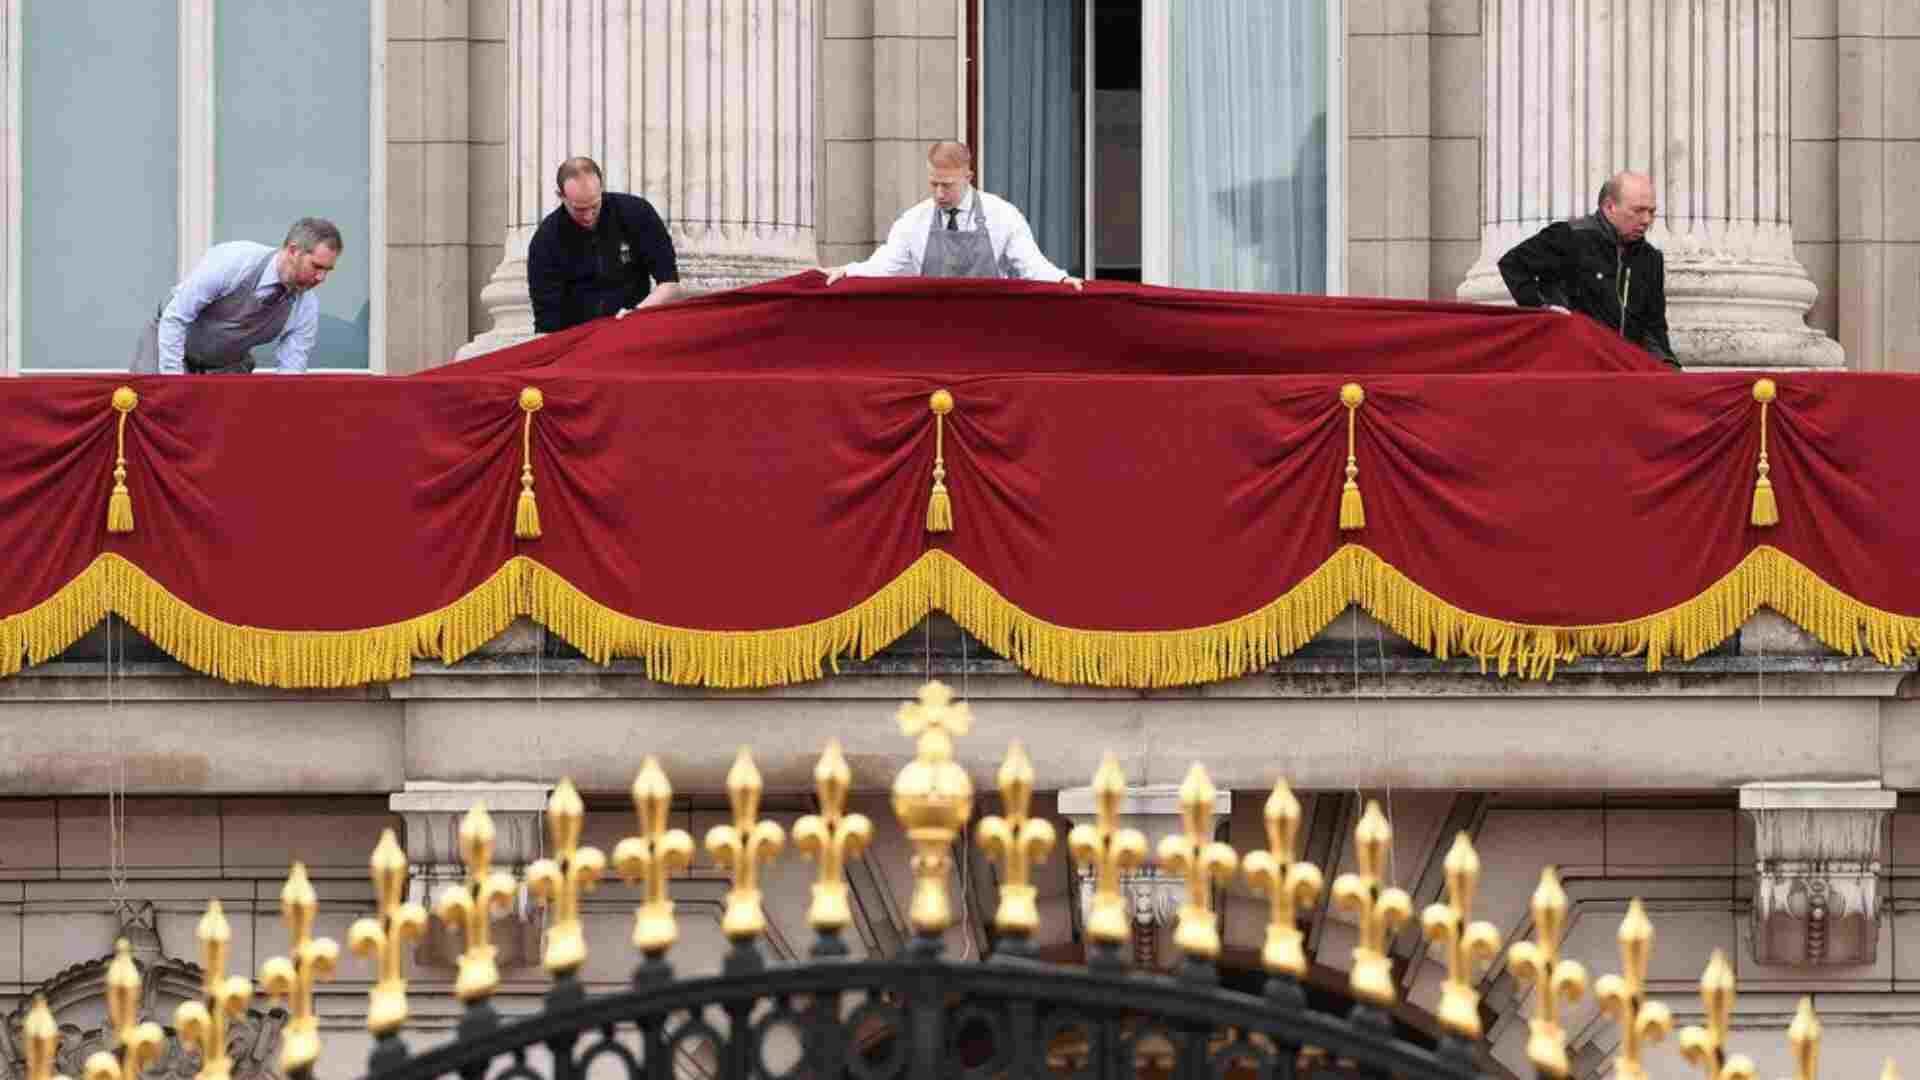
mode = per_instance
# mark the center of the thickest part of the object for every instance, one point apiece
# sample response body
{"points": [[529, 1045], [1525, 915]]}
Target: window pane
{"points": [[1116, 139], [1033, 118], [293, 129], [100, 137], [1249, 156]]}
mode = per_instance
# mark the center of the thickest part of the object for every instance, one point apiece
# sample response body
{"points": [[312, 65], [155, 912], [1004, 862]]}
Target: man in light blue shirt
{"points": [[241, 295]]}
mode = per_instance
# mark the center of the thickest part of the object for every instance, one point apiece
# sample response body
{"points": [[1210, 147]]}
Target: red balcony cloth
{"points": [[793, 490]]}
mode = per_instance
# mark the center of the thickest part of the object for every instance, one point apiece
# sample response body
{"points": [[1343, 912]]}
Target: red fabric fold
{"points": [[978, 327]]}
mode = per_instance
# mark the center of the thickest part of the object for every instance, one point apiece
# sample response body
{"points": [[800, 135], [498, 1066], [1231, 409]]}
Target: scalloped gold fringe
{"points": [[757, 658]]}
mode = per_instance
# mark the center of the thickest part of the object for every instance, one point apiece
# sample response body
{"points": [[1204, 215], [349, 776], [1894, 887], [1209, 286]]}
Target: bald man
{"points": [[960, 231], [1601, 266]]}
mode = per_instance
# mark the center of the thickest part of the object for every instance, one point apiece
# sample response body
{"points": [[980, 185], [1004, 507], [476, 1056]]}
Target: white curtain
{"points": [[1248, 112], [1032, 118]]}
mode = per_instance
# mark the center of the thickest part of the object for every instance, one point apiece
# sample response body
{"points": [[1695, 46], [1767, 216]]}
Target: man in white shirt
{"points": [[959, 232]]}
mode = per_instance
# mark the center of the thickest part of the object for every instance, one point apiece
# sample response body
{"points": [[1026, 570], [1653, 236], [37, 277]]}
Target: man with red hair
{"points": [[960, 231]]}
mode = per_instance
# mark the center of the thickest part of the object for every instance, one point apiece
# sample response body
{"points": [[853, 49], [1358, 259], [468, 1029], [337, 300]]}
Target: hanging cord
{"points": [[966, 830], [1359, 756], [1386, 728], [1766, 506], [117, 774]]}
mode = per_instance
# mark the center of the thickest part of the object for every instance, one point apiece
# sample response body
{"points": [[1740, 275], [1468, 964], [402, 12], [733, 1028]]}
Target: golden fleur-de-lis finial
{"points": [[651, 858], [384, 936], [1468, 944], [140, 1044], [1108, 851], [1706, 1047], [469, 906], [204, 1024], [291, 978], [1623, 996], [1288, 885], [1556, 982], [933, 798], [1018, 842], [740, 848], [561, 881], [1203, 862], [832, 836], [1378, 908], [1803, 1035], [43, 1041]]}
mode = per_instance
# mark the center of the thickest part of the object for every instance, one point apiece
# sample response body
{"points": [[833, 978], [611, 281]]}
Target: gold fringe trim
{"points": [[292, 659], [759, 658]]}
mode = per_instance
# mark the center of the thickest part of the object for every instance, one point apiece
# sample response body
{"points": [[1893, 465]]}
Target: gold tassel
{"points": [[120, 503], [940, 506], [1353, 513], [1766, 512], [526, 520]]}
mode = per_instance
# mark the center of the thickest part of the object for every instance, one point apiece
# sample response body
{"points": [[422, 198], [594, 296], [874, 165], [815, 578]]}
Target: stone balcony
{"points": [[1357, 707]]}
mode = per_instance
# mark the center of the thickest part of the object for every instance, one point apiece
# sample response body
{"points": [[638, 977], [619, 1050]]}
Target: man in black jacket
{"points": [[1600, 266], [598, 253]]}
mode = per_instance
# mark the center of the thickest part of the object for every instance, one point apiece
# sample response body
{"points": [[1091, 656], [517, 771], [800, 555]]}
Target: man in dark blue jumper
{"points": [[598, 253]]}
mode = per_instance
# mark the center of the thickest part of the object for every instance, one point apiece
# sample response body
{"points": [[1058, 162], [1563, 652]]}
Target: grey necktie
{"points": [[276, 292], [953, 219]]}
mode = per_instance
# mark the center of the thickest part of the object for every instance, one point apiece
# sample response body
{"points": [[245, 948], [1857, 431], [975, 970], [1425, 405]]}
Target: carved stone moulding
{"points": [[1817, 866], [1153, 896], [432, 811], [77, 997]]}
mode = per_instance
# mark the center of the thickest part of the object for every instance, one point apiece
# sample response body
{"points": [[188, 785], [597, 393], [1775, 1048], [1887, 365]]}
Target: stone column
{"points": [[1817, 866], [1153, 896], [706, 110], [1697, 94]]}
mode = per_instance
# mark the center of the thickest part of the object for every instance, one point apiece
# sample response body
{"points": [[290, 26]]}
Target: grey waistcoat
{"points": [[219, 339]]}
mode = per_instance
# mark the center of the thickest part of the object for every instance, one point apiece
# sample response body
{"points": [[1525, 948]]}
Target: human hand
{"points": [[834, 273], [623, 313], [1073, 281], [1558, 308]]}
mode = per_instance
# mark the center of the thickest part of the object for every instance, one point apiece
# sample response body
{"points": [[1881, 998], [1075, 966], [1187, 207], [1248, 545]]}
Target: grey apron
{"points": [[219, 340], [952, 253]]}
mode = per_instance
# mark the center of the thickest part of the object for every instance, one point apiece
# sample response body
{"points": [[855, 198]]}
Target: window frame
{"points": [[198, 200], [1156, 141]]}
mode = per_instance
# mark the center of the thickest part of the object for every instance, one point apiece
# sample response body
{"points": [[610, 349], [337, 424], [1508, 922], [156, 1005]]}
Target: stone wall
{"points": [[889, 85], [1875, 45], [446, 203]]}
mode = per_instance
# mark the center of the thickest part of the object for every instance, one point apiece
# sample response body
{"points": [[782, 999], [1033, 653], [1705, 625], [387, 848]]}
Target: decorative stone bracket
{"points": [[1153, 897], [1817, 870], [432, 811]]}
